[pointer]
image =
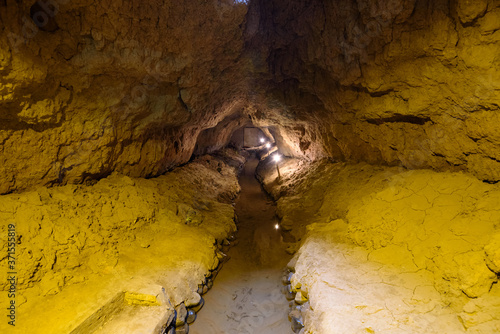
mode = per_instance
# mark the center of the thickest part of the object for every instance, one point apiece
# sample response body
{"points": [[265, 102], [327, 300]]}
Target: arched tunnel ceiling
{"points": [[128, 87]]}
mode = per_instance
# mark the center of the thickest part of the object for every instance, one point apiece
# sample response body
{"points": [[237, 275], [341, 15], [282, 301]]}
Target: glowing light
{"points": [[262, 140], [268, 145], [277, 226], [277, 157]]}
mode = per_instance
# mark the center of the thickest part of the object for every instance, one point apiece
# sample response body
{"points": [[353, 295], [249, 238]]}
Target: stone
{"points": [[291, 264], [167, 323], [296, 321], [214, 274], [289, 294], [184, 329], [294, 313], [191, 317], [222, 256], [287, 278], [296, 306], [215, 263], [193, 300], [199, 306], [300, 298], [182, 313]]}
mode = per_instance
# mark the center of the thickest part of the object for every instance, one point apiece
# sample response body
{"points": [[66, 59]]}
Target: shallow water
{"points": [[246, 296]]}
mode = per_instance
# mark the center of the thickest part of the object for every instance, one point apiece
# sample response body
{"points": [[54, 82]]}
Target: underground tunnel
{"points": [[259, 166]]}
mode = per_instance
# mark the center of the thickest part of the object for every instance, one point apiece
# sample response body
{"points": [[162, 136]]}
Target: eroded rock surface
{"points": [[80, 246], [117, 87], [92, 89], [129, 87], [412, 83], [391, 250]]}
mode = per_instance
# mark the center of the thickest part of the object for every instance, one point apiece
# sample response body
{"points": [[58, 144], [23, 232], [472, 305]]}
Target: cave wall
{"points": [[79, 246], [253, 136], [236, 140], [412, 83], [219, 136], [111, 86], [129, 87]]}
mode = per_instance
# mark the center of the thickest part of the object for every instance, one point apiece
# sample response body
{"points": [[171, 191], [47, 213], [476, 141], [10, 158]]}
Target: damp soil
{"points": [[247, 294]]}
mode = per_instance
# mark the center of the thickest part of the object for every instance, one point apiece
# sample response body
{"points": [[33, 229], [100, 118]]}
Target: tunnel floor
{"points": [[246, 296]]}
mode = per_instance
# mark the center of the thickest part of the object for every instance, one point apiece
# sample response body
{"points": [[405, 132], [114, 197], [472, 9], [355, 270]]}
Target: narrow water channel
{"points": [[246, 296]]}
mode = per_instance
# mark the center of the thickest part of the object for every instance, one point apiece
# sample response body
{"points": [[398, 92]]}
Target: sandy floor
{"points": [[246, 296]]}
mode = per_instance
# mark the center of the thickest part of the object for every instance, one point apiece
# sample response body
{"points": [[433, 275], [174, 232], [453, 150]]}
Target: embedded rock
{"points": [[191, 317], [182, 314]]}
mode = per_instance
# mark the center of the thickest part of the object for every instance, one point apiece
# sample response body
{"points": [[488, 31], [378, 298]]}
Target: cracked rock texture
{"points": [[412, 83], [89, 243], [98, 97], [391, 250], [116, 86], [133, 87]]}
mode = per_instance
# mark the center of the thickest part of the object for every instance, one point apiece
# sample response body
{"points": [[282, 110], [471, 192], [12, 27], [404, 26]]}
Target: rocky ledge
{"points": [[122, 253], [388, 250]]}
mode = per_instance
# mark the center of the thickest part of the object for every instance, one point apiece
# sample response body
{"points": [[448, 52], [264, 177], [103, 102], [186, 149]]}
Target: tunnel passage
{"points": [[246, 294], [118, 172], [332, 80]]}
